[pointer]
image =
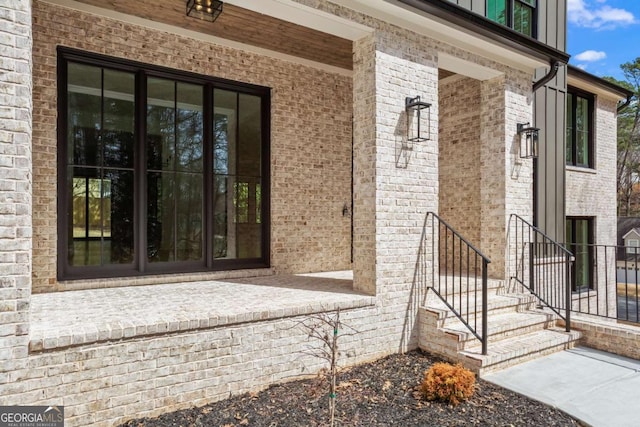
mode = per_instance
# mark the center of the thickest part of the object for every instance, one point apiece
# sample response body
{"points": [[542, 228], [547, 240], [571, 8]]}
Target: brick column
{"points": [[15, 186], [395, 182], [507, 181]]}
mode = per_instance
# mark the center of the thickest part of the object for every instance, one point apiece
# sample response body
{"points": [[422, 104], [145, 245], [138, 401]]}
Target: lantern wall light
{"points": [[418, 119], [528, 141], [207, 10]]}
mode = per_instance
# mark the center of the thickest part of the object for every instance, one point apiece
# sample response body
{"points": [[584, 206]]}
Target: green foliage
{"points": [[628, 173], [448, 383]]}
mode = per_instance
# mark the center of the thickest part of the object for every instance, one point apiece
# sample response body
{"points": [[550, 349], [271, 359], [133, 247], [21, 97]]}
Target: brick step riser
{"points": [[503, 308], [549, 348], [465, 339], [469, 343]]}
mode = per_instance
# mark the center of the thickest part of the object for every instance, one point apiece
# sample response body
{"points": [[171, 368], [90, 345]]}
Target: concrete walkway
{"points": [[598, 388]]}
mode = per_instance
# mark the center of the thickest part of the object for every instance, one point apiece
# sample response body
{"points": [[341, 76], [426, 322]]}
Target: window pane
{"points": [[250, 135], [582, 131], [161, 119], [523, 19], [237, 166], [84, 114], [117, 207], [190, 128], [118, 125], [582, 148], [175, 138], [161, 234], [225, 114], [570, 127], [100, 132], [100, 236], [582, 252], [497, 11], [189, 207]]}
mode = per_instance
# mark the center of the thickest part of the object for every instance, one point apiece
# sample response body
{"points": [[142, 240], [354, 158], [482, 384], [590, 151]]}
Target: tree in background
{"points": [[628, 173]]}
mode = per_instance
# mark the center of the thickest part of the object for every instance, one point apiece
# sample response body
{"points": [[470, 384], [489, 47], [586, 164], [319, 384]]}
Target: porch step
{"points": [[519, 349], [496, 304], [452, 285], [517, 330], [502, 326]]}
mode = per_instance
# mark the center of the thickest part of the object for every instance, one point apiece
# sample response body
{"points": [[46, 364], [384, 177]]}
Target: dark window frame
{"points": [[573, 247], [510, 7], [574, 93], [140, 265]]}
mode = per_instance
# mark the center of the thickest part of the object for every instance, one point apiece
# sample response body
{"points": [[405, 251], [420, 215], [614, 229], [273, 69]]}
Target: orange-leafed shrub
{"points": [[449, 383]]}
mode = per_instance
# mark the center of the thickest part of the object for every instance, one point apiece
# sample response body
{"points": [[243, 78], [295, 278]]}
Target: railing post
{"points": [[485, 306], [567, 275], [531, 267]]}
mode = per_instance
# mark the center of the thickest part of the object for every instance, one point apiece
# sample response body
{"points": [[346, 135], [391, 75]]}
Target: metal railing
{"points": [[605, 281], [541, 265], [459, 276]]}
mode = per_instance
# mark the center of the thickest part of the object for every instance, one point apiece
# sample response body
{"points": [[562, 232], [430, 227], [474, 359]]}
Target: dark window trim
{"points": [[591, 160], [140, 266], [510, 5], [590, 248]]}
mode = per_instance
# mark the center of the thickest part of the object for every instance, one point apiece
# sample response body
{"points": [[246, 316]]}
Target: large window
{"points": [[580, 243], [517, 14], [579, 128], [160, 171]]}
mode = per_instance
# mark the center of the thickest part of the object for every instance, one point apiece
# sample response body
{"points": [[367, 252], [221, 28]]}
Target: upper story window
{"points": [[517, 14], [579, 128], [160, 171]]}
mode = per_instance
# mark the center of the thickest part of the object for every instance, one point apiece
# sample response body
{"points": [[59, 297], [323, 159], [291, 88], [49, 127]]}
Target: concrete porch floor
{"points": [[82, 317]]}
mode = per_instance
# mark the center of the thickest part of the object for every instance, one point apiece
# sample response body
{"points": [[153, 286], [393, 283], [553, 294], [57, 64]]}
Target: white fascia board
{"points": [[419, 22], [633, 230], [594, 89], [466, 68], [290, 11], [147, 23]]}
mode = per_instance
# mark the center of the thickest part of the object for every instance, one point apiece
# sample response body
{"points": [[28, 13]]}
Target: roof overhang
{"points": [[596, 85], [459, 27]]}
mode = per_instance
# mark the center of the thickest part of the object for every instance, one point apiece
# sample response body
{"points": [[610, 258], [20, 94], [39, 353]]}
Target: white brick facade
{"points": [[15, 186], [105, 380]]}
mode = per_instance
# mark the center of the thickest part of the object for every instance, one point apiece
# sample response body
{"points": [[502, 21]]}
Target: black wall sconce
{"points": [[207, 10], [418, 119], [528, 141]]}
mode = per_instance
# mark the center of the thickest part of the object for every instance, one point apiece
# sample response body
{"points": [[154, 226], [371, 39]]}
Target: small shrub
{"points": [[449, 383]]}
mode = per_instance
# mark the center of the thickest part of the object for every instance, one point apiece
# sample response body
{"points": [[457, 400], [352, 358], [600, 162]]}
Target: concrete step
{"points": [[518, 349]]}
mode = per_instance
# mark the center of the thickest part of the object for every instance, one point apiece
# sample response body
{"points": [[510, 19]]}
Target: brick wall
{"points": [[459, 151], [592, 193], [310, 139], [15, 185], [395, 186]]}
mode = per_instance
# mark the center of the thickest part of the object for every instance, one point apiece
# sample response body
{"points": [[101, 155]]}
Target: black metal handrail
{"points": [[458, 265], [541, 265], [606, 281]]}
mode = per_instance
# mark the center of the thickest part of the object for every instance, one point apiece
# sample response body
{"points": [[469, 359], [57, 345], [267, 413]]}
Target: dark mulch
{"points": [[382, 393]]}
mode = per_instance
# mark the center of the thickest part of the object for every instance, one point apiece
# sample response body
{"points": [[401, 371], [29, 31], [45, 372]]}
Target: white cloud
{"points": [[590, 56], [582, 66], [600, 16]]}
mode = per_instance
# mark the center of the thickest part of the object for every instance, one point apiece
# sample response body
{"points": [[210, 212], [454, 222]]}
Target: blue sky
{"points": [[602, 34]]}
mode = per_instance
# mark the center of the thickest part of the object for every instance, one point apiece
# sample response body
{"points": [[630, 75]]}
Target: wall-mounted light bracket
{"points": [[528, 141], [418, 119]]}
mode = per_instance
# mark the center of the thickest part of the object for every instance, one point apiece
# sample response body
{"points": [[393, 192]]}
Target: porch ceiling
{"points": [[244, 26]]}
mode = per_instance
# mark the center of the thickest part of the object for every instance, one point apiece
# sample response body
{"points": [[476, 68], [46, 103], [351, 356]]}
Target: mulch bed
{"points": [[382, 393]]}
